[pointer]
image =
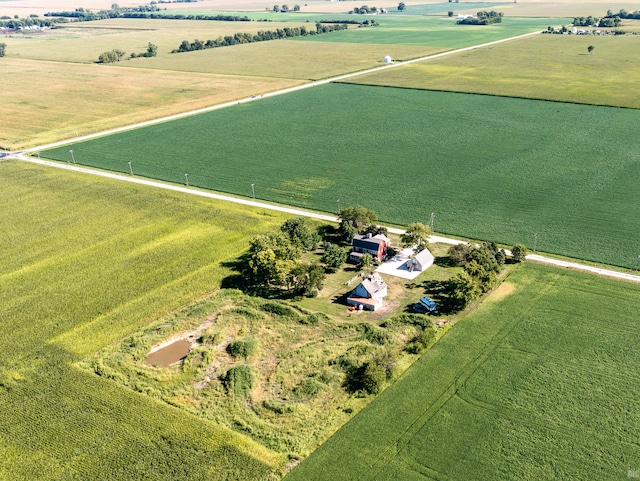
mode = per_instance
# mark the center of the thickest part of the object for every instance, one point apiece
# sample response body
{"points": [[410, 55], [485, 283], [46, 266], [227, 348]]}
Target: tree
{"points": [[416, 234], [152, 50], [518, 252], [276, 8], [401, 7], [358, 216], [462, 290], [365, 261], [296, 8], [108, 57], [3, 49], [459, 253], [300, 232], [284, 8], [450, 13], [334, 256], [590, 48]]}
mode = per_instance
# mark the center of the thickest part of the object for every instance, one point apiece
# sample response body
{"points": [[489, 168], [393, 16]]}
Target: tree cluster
{"points": [[613, 21], [152, 51], [115, 55], [273, 261], [357, 220], [33, 20], [481, 267], [261, 36], [635, 15], [363, 10], [483, 18], [285, 8]]}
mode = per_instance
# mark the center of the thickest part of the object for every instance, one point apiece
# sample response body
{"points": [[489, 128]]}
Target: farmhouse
{"points": [[368, 244], [369, 293], [421, 261]]}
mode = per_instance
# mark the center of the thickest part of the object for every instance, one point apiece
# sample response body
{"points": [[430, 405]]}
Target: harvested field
{"points": [[550, 67]]}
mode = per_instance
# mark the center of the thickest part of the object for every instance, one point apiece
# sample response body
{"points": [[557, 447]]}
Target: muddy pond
{"points": [[170, 354]]}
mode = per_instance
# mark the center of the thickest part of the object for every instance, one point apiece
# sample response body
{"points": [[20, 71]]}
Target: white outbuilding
{"points": [[388, 59]]}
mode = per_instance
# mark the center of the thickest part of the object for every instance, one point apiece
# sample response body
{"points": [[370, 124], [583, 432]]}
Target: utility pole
{"points": [[253, 191], [186, 179], [72, 157], [338, 201], [130, 169], [432, 220], [535, 241]]}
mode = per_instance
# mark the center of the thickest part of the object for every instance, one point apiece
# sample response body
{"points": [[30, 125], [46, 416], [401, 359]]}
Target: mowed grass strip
{"points": [[538, 385], [48, 101], [489, 168], [86, 262], [553, 67]]}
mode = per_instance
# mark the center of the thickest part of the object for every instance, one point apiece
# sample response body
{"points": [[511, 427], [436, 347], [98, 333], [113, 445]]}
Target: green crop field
{"points": [[541, 384], [552, 67], [434, 31], [489, 167], [84, 263]]}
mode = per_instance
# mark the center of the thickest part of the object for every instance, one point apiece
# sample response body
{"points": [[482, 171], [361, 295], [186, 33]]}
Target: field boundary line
{"points": [[624, 276]]}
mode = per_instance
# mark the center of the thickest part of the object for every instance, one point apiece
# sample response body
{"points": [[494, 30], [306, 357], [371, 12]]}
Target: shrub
{"points": [[421, 341], [243, 347], [279, 309], [315, 318], [239, 380], [277, 407], [376, 335], [308, 388], [373, 377]]}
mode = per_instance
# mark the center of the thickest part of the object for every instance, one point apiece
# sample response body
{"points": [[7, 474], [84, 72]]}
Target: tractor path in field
{"points": [[258, 97], [315, 215]]}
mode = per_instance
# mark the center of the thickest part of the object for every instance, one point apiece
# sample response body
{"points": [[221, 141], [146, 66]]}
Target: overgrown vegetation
{"points": [[501, 384]]}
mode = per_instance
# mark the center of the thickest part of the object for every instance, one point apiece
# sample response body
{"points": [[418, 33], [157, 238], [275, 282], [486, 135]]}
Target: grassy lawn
{"points": [[86, 262], [539, 384], [553, 67], [490, 168]]}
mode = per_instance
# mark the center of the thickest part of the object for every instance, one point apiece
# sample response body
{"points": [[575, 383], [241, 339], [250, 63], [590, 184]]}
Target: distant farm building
{"points": [[388, 59], [421, 261], [369, 293], [376, 246]]}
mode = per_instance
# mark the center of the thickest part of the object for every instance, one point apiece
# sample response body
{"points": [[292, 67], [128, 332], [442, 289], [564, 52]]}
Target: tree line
{"points": [[143, 11], [261, 36], [613, 21], [483, 18]]}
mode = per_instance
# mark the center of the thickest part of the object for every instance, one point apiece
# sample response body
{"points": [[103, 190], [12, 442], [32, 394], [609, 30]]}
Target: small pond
{"points": [[170, 354]]}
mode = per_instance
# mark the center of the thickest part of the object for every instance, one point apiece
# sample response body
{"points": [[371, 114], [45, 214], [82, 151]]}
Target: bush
{"points": [[422, 341], [308, 388], [375, 335], [518, 252], [239, 380], [279, 309], [315, 318], [373, 377], [243, 347]]}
